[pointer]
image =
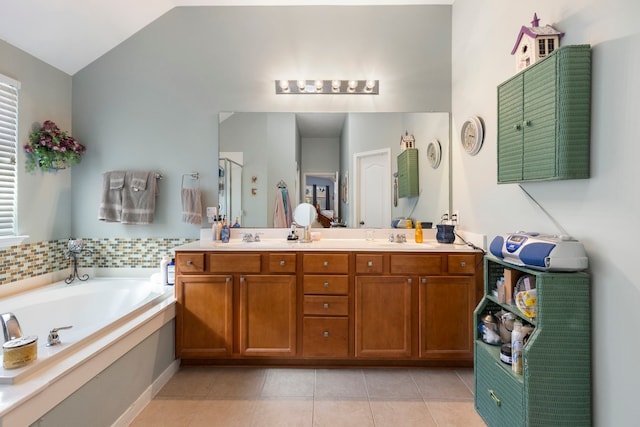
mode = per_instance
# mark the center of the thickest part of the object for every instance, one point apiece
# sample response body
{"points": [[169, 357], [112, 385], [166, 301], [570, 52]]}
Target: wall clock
{"points": [[434, 153], [472, 135]]}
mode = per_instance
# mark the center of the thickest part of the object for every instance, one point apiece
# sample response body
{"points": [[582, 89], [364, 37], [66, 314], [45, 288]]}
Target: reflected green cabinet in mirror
{"points": [[544, 119], [408, 173]]}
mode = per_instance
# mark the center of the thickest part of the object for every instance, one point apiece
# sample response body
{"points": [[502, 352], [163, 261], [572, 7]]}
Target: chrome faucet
{"points": [[247, 238], [10, 326]]}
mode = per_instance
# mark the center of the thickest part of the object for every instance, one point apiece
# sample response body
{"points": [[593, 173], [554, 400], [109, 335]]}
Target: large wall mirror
{"points": [[343, 163]]}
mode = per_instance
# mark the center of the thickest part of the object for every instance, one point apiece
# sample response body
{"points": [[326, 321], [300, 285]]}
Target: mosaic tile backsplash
{"points": [[23, 261]]}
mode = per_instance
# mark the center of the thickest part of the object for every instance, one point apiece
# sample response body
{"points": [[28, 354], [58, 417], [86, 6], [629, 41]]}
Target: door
{"points": [[383, 317], [373, 189], [204, 316], [268, 315]]}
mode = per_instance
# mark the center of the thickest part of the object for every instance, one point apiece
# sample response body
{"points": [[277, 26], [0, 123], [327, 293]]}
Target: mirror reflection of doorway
{"points": [[373, 189], [321, 190]]}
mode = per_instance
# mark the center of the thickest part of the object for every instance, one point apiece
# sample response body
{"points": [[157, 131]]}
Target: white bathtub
{"points": [[109, 316]]}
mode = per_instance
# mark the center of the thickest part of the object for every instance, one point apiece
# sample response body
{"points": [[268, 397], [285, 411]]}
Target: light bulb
{"points": [[370, 84], [353, 84], [335, 85], [302, 85], [284, 85], [319, 85]]}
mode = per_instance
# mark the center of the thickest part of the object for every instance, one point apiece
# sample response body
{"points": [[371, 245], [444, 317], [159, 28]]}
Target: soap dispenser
{"points": [[418, 234]]}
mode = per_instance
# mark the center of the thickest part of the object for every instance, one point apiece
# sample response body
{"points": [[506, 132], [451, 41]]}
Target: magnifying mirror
{"points": [[304, 214]]}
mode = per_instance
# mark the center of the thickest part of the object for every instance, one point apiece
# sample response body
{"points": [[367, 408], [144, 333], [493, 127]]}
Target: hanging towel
{"points": [[139, 205], [279, 215], [191, 205], [111, 203]]}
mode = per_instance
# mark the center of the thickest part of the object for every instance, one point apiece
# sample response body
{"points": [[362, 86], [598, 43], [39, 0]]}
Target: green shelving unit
{"points": [[555, 386], [408, 173]]}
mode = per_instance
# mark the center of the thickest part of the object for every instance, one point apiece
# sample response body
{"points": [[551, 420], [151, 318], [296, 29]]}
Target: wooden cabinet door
{"points": [[446, 307], [383, 317], [268, 315], [204, 318]]}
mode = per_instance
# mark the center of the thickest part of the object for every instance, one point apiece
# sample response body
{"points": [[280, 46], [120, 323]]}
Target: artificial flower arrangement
{"points": [[49, 148]]}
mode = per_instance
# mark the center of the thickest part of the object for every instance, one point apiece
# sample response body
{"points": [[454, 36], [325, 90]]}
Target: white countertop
{"points": [[329, 240]]}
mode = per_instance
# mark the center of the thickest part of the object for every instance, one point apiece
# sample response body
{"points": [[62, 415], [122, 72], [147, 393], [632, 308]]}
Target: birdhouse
{"points": [[534, 43]]}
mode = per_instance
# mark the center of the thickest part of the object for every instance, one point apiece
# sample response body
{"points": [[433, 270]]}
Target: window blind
{"points": [[8, 145]]}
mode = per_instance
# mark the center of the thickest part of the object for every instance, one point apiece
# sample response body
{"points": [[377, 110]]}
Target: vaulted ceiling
{"points": [[70, 34]]}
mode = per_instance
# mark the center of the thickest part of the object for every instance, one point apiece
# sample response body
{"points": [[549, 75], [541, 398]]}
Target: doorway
{"points": [[372, 189]]}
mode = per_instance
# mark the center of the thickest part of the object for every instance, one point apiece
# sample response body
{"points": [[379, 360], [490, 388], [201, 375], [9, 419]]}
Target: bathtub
{"points": [[108, 317]]}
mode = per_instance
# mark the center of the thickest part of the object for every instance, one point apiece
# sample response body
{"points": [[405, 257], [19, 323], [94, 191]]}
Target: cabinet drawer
{"points": [[282, 263], [234, 263], [326, 305], [369, 263], [461, 264], [190, 262], [326, 285], [499, 396], [415, 264], [326, 263], [325, 337]]}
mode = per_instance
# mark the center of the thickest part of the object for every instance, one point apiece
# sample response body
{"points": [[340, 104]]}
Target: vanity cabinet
{"points": [[544, 119], [555, 385], [330, 308]]}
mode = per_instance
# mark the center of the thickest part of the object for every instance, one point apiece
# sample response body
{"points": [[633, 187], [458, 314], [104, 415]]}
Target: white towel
{"points": [[111, 203], [191, 205], [139, 205]]}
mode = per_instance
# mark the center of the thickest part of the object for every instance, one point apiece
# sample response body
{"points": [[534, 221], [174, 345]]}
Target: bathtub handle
{"points": [[53, 337]]}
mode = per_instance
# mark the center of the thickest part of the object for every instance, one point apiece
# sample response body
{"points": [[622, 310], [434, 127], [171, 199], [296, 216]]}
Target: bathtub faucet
{"points": [[10, 326], [53, 337]]}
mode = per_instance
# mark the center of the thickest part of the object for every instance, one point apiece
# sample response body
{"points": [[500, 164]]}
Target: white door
{"points": [[373, 189]]}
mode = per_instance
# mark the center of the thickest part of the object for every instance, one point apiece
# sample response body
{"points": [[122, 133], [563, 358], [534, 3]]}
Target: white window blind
{"points": [[8, 145]]}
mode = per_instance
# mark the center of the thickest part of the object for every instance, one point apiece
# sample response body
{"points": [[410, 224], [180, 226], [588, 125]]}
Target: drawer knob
{"points": [[326, 263], [517, 127], [495, 398], [326, 284], [369, 263], [282, 263], [325, 305], [527, 122], [189, 262], [463, 264], [325, 334]]}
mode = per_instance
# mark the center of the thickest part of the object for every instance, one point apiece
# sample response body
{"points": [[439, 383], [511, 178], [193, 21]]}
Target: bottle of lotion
{"points": [[171, 272], [225, 232], [163, 269], [516, 347], [418, 232]]}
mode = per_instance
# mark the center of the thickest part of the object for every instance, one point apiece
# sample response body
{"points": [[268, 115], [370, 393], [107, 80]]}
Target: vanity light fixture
{"points": [[335, 86]]}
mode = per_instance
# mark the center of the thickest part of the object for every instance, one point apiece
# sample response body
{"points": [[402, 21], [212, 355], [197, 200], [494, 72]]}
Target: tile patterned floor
{"points": [[253, 397]]}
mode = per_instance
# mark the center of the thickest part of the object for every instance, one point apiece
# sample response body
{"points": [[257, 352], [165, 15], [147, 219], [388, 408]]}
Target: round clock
{"points": [[434, 153], [472, 135]]}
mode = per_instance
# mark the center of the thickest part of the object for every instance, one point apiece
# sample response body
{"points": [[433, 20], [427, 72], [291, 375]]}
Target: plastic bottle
{"points": [[237, 223], [164, 262], [171, 272], [516, 347], [219, 230], [225, 232], [409, 225], [418, 232]]}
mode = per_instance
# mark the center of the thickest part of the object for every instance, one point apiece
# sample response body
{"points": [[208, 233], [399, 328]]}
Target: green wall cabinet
{"points": [[544, 119], [408, 173], [554, 388]]}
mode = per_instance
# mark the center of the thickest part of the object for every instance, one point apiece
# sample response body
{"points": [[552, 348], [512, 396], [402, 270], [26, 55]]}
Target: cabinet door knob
{"points": [[423, 280], [369, 263], [326, 284], [527, 122], [228, 279], [282, 263], [242, 280], [325, 305], [325, 334], [517, 127], [189, 262], [495, 398], [326, 263], [409, 281]]}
